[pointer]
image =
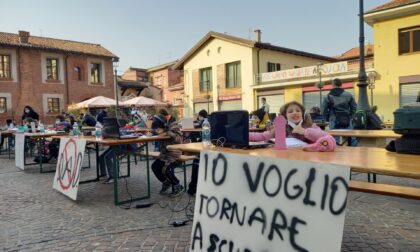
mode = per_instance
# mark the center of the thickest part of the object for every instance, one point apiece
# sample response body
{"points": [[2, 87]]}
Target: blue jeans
{"points": [[353, 140]]}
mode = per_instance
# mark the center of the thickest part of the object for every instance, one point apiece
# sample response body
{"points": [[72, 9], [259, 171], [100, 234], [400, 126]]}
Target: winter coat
{"points": [[312, 134], [338, 100]]}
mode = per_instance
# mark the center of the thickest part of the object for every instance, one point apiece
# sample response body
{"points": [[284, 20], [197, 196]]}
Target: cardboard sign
{"points": [[69, 164], [20, 151], [252, 203]]}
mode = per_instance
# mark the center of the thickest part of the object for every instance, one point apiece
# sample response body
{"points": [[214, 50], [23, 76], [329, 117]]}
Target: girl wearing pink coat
{"points": [[299, 127]]}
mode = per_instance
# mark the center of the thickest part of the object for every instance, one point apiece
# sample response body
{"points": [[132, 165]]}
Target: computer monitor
{"points": [[232, 125]]}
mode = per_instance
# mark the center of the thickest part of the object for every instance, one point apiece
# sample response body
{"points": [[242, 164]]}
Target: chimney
{"points": [[257, 35], [23, 37]]}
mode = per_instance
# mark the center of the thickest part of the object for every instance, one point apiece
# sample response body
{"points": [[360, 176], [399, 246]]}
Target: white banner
{"points": [[69, 164], [20, 150], [326, 69], [251, 203]]}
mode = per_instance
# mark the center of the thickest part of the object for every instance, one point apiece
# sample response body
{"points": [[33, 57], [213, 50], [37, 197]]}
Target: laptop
{"points": [[111, 129], [232, 127], [187, 123]]}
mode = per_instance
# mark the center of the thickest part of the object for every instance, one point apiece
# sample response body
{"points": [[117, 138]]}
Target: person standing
{"points": [[339, 108], [264, 105]]}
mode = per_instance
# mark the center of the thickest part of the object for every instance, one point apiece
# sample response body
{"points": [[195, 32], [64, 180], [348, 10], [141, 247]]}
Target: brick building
{"points": [[171, 82], [48, 74]]}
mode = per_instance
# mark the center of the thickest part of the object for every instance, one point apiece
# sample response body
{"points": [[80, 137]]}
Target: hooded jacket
{"points": [[338, 100]]}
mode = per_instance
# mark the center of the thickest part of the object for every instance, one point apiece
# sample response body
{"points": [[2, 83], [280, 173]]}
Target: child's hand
{"points": [[299, 130]]}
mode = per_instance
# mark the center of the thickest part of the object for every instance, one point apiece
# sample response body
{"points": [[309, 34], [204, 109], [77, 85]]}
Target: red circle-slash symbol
{"points": [[68, 165]]}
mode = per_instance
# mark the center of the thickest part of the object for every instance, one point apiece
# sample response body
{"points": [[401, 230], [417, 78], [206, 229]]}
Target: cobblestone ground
{"points": [[34, 217]]}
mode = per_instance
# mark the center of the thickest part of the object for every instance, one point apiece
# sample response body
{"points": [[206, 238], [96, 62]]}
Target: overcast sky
{"points": [[148, 33]]}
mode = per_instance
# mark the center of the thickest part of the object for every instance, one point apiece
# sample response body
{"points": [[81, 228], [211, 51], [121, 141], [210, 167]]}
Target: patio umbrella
{"points": [[96, 102], [143, 101]]}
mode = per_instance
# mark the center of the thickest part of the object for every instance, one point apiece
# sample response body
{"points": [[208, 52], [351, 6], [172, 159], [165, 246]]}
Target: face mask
{"points": [[200, 118], [292, 124], [26, 110], [58, 121]]}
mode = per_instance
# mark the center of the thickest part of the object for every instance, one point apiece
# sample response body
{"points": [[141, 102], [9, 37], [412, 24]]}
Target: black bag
{"points": [[374, 122], [359, 120], [342, 119]]}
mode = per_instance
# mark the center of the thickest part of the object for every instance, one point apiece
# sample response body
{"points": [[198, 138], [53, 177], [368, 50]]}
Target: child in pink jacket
{"points": [[299, 127]]}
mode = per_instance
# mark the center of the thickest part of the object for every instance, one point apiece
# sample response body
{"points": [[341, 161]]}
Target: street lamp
{"points": [[363, 103], [320, 84], [371, 82], [115, 64]]}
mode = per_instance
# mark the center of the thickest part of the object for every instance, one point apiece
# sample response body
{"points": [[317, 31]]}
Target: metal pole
{"points": [[363, 103], [208, 97], [371, 97], [116, 93]]}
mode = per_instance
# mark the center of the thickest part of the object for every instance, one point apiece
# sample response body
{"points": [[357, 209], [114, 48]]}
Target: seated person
{"points": [[260, 118], [316, 115], [88, 120], [138, 121], [300, 127], [163, 167], [61, 124], [9, 124]]}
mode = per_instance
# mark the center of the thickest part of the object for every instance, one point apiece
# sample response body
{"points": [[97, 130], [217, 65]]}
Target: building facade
{"points": [[135, 82], [302, 84], [219, 71], [49, 74], [396, 32], [172, 84]]}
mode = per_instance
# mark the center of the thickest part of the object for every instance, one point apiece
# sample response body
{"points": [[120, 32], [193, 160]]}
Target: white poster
{"points": [[20, 150], [251, 203], [69, 164]]}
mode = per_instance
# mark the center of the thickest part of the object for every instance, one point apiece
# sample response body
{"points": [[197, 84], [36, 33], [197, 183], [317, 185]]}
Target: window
{"points": [[52, 69], [205, 80], [233, 75], [3, 105], [5, 66], [78, 73], [272, 67], [409, 40], [95, 73], [53, 105]]}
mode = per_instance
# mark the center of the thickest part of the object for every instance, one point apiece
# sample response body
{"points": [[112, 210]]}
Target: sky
{"points": [[146, 33]]}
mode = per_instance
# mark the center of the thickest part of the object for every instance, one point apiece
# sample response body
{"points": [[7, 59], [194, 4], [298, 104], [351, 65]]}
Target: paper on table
{"points": [[291, 142]]}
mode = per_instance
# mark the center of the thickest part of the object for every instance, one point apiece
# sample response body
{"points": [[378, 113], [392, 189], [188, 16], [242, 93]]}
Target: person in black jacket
{"points": [[29, 113], [100, 117]]}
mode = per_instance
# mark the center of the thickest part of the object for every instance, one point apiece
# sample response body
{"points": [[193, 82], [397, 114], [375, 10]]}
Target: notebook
{"points": [[232, 128], [187, 123], [111, 129]]}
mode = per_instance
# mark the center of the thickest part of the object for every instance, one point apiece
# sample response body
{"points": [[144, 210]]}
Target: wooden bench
{"points": [[385, 189], [183, 159]]}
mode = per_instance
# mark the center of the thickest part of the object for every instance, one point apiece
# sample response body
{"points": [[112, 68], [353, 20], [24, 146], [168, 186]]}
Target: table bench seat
{"points": [[385, 189], [182, 158]]}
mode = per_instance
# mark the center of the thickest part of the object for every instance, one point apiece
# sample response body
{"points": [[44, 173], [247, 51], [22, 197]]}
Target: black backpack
{"points": [[360, 119], [342, 118]]}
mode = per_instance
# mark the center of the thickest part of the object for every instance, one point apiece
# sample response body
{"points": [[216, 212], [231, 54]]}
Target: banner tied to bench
{"points": [[252, 203]]}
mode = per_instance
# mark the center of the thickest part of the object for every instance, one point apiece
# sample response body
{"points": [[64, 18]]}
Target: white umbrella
{"points": [[143, 101], [96, 102]]}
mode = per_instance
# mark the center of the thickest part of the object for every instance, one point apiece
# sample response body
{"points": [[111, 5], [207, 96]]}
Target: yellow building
{"points": [[220, 70], [396, 32]]}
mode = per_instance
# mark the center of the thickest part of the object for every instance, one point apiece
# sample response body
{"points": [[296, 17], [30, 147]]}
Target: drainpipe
{"points": [[19, 82], [67, 80]]}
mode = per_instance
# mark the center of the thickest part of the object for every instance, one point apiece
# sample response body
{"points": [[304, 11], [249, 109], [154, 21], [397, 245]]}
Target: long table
{"points": [[367, 138], [360, 159]]}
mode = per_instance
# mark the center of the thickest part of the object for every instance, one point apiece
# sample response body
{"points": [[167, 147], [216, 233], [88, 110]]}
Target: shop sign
{"points": [[229, 97]]}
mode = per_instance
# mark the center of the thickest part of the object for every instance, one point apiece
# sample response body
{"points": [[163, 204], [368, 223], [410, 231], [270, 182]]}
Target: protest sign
{"points": [[253, 203], [69, 164]]}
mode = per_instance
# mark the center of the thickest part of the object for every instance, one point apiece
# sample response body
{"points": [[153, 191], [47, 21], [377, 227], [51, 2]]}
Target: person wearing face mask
{"points": [[202, 114], [29, 113], [301, 127]]}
